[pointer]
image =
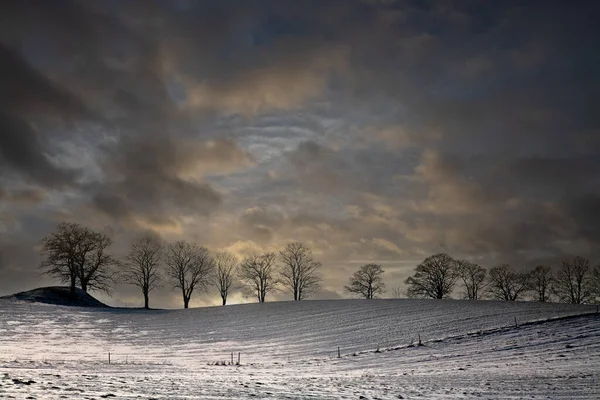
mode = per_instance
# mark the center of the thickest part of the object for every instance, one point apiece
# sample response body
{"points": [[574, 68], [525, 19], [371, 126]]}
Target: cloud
{"points": [[288, 75], [371, 130]]}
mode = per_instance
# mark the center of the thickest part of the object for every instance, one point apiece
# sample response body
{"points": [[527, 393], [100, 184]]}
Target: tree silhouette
{"points": [[434, 277], [573, 283], [299, 270], [75, 253], [189, 267], [258, 273], [506, 283], [143, 264], [367, 282], [473, 278], [226, 267], [541, 281]]}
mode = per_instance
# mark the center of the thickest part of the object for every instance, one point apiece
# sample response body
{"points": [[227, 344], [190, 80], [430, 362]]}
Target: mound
{"points": [[58, 295]]}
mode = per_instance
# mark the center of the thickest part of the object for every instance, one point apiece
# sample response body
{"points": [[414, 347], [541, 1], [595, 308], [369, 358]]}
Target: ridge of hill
{"points": [[57, 295]]}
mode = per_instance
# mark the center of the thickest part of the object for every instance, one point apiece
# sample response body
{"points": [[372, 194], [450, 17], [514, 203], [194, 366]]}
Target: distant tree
{"points": [[190, 268], [367, 282], [257, 272], [299, 270], [473, 278], [226, 268], [397, 292], [541, 280], [434, 277], [573, 282], [75, 253], [143, 265], [506, 283]]}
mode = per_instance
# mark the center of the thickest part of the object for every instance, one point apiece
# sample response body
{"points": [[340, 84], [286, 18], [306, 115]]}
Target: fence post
{"points": [[516, 325], [339, 354], [239, 354], [232, 358], [109, 357]]}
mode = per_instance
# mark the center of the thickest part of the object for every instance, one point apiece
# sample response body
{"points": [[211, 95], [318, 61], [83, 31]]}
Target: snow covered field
{"points": [[289, 351]]}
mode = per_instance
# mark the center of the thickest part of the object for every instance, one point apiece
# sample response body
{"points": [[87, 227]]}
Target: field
{"points": [[289, 350]]}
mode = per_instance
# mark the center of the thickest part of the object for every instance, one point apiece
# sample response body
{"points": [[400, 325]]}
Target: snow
{"points": [[289, 350]]}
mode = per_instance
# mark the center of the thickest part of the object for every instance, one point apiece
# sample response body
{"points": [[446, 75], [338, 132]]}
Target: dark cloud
{"points": [[372, 130]]}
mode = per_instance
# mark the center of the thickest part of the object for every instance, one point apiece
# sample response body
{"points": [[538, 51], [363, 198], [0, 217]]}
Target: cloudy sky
{"points": [[373, 131]]}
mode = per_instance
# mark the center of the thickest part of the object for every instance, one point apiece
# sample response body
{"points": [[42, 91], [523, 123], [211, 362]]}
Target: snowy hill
{"points": [[291, 349], [57, 295]]}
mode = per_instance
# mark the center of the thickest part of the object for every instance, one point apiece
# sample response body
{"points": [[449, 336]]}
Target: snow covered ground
{"points": [[289, 351]]}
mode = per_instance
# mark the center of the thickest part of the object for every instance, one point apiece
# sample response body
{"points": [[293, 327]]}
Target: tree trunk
{"points": [[186, 302], [84, 286], [72, 287], [224, 299], [146, 300]]}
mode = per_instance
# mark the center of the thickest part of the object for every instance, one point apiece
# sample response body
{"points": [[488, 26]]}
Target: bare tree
{"points": [[299, 270], [367, 282], [226, 266], [541, 280], [258, 273], [96, 265], [189, 267], [434, 277], [473, 278], [143, 264], [76, 253], [397, 292], [573, 283], [506, 283]]}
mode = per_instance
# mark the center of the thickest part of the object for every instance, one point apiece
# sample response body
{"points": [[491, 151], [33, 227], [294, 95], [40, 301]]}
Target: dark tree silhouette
{"points": [[473, 279], [226, 268], [299, 270], [367, 282], [573, 282], [434, 277], [258, 273], [143, 264], [76, 253], [95, 271], [541, 281], [507, 284], [189, 267]]}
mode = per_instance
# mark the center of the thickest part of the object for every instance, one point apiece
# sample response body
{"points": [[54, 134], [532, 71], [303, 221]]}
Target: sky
{"points": [[372, 131]]}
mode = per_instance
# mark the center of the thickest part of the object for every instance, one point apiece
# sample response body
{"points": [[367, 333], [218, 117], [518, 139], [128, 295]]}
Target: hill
{"points": [[290, 350], [57, 295]]}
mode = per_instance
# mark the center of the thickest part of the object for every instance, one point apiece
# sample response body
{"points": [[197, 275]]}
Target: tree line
{"points": [[436, 277], [79, 256]]}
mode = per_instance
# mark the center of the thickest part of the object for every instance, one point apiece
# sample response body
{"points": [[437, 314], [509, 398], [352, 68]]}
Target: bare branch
{"points": [[573, 283], [299, 270], [473, 279], [434, 277], [142, 265], [75, 253], [189, 267], [257, 272], [226, 265], [507, 284], [367, 282], [541, 281]]}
